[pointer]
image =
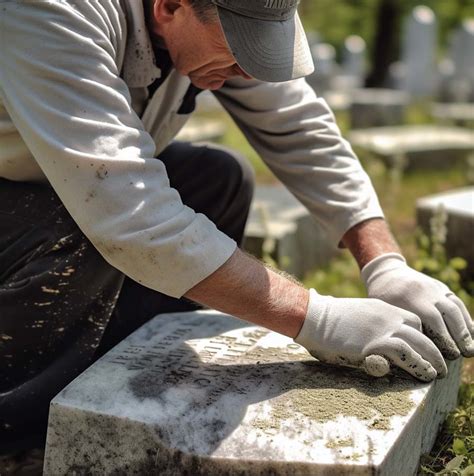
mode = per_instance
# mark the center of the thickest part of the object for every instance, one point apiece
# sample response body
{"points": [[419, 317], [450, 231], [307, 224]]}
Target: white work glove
{"points": [[368, 333], [444, 316]]}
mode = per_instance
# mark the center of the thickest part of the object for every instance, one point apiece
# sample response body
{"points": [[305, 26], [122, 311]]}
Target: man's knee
{"points": [[231, 168]]}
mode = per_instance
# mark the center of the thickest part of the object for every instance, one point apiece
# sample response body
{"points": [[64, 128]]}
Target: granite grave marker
{"points": [[204, 393]]}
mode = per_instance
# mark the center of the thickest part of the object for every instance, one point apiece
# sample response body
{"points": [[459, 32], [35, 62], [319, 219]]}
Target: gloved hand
{"points": [[368, 333], [444, 316]]}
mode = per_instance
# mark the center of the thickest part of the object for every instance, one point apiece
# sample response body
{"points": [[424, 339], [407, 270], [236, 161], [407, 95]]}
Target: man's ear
{"points": [[164, 10]]}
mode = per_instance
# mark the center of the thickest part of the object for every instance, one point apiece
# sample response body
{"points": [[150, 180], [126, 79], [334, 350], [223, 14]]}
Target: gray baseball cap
{"points": [[266, 38]]}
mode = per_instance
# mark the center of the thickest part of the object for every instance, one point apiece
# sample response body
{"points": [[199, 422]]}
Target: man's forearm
{"points": [[370, 239], [247, 289]]}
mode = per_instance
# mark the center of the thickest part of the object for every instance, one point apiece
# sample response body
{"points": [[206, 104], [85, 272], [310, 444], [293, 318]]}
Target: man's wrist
{"points": [[380, 264], [370, 239], [247, 289]]}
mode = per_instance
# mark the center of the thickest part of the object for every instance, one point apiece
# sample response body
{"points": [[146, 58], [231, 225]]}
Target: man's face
{"points": [[198, 50]]}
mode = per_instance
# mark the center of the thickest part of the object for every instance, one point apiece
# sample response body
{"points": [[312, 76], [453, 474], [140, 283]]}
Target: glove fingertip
{"points": [[376, 365], [468, 349]]}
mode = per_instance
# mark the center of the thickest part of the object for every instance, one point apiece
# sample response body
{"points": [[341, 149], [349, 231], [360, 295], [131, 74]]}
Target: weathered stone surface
{"points": [[205, 394], [459, 206], [416, 146], [373, 107], [280, 226]]}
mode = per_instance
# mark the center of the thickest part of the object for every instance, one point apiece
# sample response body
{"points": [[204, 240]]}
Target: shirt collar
{"points": [[139, 66]]}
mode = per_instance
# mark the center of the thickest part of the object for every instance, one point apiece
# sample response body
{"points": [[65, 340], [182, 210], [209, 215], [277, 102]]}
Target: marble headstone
{"points": [[416, 146], [281, 227], [205, 394], [419, 52], [459, 207]]}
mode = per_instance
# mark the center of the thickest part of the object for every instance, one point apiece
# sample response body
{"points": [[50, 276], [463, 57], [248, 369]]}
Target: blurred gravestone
{"points": [[446, 87], [413, 147], [461, 114], [324, 57], [281, 228], [418, 52], [459, 208], [372, 107], [461, 54], [353, 58], [396, 75]]}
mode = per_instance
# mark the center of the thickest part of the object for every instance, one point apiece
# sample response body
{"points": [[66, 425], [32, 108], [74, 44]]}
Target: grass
{"points": [[453, 452]]}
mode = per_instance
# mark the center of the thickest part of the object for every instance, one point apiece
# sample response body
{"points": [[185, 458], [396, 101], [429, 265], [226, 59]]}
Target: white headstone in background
{"points": [[203, 394], [324, 57], [461, 53], [353, 58], [419, 52]]}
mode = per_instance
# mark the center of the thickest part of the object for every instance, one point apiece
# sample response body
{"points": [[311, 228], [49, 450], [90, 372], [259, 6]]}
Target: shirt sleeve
{"points": [[296, 135], [60, 85]]}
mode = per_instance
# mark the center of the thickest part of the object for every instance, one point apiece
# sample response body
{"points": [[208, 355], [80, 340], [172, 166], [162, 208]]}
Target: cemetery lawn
{"points": [[398, 194]]}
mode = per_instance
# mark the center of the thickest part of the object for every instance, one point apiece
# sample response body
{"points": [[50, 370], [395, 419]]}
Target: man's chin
{"points": [[207, 84]]}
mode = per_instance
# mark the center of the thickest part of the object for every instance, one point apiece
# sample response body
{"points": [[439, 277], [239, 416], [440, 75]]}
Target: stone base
{"points": [[280, 226], [205, 394]]}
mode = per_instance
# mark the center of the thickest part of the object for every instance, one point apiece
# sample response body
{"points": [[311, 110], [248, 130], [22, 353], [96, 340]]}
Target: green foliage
{"points": [[433, 261], [340, 278], [334, 20], [453, 452]]}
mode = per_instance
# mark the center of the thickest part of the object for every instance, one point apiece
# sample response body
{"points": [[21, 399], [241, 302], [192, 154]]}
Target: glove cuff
{"points": [[316, 309], [381, 264]]}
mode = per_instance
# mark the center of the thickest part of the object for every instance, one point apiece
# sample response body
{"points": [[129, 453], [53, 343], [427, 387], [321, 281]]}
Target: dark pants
{"points": [[62, 305]]}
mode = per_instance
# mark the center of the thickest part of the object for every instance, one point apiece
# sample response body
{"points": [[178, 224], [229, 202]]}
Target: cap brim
{"points": [[272, 51]]}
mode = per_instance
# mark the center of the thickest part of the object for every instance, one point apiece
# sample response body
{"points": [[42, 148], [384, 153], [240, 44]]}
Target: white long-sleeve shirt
{"points": [[75, 112]]}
